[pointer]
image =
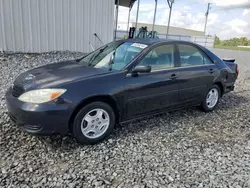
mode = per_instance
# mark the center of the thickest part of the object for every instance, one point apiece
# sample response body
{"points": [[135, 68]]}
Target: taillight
{"points": [[237, 70]]}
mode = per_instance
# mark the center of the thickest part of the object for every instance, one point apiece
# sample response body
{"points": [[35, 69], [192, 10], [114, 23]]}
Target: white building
{"points": [[57, 25], [51, 25]]}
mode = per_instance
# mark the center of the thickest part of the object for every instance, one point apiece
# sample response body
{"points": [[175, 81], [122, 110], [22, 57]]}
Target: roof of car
{"points": [[148, 41]]}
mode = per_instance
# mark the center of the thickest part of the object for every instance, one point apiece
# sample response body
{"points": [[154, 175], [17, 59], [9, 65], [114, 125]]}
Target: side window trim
{"points": [[176, 59], [154, 47], [198, 49]]}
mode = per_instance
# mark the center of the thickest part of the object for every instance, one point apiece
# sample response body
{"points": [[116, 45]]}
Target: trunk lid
{"points": [[230, 62]]}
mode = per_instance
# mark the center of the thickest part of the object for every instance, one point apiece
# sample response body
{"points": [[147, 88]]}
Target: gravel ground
{"points": [[187, 148]]}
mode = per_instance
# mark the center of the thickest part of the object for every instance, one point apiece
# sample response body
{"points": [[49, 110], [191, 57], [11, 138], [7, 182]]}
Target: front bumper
{"points": [[42, 119]]}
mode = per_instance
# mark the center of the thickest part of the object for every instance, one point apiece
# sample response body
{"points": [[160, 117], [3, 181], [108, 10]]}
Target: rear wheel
{"points": [[212, 99], [93, 123]]}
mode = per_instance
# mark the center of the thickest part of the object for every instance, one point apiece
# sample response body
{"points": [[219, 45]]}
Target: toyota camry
{"points": [[118, 82]]}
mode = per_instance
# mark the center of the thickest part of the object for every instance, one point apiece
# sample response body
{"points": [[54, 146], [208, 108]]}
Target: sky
{"points": [[227, 18]]}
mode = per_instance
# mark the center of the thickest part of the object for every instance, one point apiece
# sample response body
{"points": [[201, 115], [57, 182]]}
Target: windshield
{"points": [[124, 53]]}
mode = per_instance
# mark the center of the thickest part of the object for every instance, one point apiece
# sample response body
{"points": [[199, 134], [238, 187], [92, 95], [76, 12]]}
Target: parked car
{"points": [[118, 82]]}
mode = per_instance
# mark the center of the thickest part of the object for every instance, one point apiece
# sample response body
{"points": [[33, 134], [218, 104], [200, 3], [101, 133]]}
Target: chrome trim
{"points": [[129, 74], [183, 67]]}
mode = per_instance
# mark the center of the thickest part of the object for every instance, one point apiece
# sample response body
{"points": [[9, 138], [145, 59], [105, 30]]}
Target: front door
{"points": [[154, 91]]}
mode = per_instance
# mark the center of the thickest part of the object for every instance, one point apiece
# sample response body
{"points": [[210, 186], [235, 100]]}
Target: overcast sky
{"points": [[227, 18]]}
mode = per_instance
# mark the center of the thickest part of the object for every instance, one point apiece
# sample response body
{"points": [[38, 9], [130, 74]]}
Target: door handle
{"points": [[173, 76], [211, 71]]}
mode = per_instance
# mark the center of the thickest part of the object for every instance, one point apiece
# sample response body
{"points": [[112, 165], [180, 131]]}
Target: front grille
{"points": [[17, 91]]}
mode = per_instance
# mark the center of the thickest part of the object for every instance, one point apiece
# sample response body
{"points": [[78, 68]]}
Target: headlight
{"points": [[41, 95]]}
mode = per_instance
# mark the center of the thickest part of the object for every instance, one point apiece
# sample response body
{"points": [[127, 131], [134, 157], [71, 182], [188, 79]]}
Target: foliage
{"points": [[231, 48], [217, 40], [243, 41]]}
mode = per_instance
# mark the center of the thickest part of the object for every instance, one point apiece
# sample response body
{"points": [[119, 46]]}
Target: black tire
{"points": [[204, 106], [76, 128]]}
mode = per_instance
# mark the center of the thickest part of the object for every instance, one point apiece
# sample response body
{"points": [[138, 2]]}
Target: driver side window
{"points": [[160, 58]]}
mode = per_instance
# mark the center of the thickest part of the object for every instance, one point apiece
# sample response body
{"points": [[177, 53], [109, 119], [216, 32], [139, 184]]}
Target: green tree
{"points": [[234, 41], [216, 40], [243, 41]]}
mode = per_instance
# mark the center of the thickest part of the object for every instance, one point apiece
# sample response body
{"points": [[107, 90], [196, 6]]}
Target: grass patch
{"points": [[231, 48]]}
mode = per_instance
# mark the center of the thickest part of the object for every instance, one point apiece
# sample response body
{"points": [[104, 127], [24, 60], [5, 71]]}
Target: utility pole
{"points": [[116, 17], [207, 13], [130, 8], [154, 15], [170, 4], [137, 14]]}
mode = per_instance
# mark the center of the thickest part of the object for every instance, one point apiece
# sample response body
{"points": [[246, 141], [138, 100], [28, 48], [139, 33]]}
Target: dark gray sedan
{"points": [[118, 82]]}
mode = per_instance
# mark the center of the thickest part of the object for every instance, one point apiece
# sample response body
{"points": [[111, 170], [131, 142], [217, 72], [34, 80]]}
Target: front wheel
{"points": [[212, 99], [93, 123]]}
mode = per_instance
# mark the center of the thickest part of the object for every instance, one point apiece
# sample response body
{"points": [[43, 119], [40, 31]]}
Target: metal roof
{"points": [[125, 3]]}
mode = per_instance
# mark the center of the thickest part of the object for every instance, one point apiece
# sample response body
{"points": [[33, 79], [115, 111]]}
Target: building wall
{"points": [[51, 25], [161, 29]]}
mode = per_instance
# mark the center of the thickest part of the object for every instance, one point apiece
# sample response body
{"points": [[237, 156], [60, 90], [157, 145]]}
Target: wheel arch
{"points": [[100, 98], [220, 86]]}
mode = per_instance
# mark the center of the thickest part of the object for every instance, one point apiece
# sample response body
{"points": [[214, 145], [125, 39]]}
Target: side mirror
{"points": [[142, 69]]}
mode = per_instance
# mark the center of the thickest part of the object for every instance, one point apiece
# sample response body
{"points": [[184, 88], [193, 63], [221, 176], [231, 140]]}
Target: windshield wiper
{"points": [[95, 56]]}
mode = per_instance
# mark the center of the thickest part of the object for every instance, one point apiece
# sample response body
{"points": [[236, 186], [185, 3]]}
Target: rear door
{"points": [[196, 73], [154, 91]]}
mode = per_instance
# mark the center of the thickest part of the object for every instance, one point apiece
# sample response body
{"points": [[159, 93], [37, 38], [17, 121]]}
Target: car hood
{"points": [[55, 74]]}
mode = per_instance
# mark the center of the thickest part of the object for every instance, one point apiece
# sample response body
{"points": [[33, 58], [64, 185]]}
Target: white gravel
{"points": [[188, 148]]}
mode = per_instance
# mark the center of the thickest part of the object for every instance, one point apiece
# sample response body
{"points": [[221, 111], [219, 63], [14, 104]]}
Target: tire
{"points": [[93, 123], [207, 106]]}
